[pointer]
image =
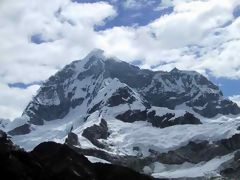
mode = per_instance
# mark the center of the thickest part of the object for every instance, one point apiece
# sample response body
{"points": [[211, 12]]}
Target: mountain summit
{"points": [[80, 85]]}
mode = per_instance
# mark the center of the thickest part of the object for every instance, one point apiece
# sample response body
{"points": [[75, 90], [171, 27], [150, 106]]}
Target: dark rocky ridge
{"points": [[122, 96], [157, 95], [56, 161], [163, 89], [169, 120], [24, 129], [132, 116], [158, 121]]}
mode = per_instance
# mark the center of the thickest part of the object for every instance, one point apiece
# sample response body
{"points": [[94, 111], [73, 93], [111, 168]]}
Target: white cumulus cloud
{"points": [[14, 100]]}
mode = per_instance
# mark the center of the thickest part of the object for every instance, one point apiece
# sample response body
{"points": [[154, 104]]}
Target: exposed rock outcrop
{"points": [[96, 132], [121, 96], [24, 129], [72, 139], [166, 120], [133, 115], [169, 120]]}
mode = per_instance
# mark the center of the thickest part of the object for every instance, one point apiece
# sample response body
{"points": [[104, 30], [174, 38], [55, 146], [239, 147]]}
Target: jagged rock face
{"points": [[79, 83], [215, 106], [6, 144], [169, 89], [129, 74], [169, 120], [132, 116], [163, 121], [72, 139], [53, 102], [96, 132], [121, 96]]}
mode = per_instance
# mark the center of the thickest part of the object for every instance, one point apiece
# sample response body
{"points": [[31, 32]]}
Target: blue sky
{"points": [[229, 87], [39, 38]]}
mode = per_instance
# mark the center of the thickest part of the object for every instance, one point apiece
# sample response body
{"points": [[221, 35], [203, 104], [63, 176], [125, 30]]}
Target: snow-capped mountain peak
{"points": [[78, 84]]}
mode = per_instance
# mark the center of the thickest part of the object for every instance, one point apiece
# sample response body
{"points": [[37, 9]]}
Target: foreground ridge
{"points": [[51, 160]]}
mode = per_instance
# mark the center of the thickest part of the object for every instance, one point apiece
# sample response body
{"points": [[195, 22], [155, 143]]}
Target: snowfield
{"points": [[124, 136]]}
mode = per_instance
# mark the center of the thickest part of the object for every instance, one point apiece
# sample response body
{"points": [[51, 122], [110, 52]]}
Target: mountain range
{"points": [[173, 124]]}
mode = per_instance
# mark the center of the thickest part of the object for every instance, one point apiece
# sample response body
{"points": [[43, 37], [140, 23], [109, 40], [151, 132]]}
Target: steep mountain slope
{"points": [[151, 121]]}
